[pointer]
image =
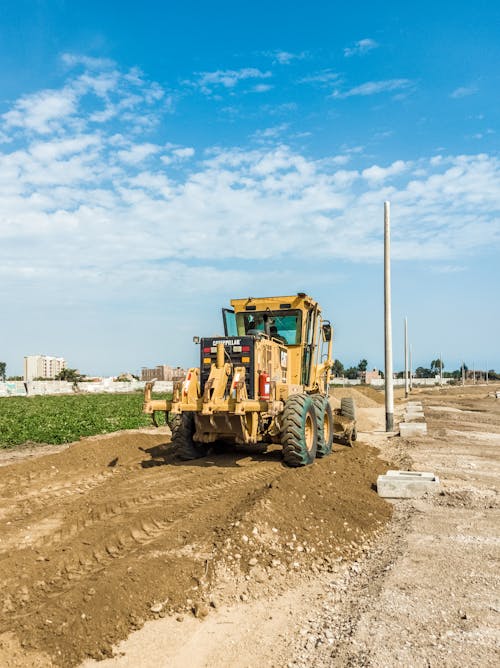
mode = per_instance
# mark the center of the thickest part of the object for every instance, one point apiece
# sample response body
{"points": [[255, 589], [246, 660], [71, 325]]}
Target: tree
{"points": [[422, 372], [338, 368], [3, 370], [71, 375], [351, 373], [437, 365], [362, 366]]}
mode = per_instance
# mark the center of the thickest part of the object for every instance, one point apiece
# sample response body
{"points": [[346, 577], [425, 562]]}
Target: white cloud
{"points": [[41, 112], [271, 133], [185, 152], [378, 174], [73, 59], [262, 88], [360, 47], [285, 57], [97, 95], [323, 77], [137, 153], [206, 81], [81, 193], [463, 91], [375, 87], [177, 154]]}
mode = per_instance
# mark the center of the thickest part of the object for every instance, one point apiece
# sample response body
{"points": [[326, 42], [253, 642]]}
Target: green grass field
{"points": [[62, 419]]}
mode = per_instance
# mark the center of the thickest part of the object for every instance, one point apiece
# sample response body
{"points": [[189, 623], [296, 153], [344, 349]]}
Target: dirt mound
{"points": [[112, 531], [364, 396]]}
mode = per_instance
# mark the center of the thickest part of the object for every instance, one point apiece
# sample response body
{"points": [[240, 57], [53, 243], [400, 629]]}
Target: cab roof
{"points": [[279, 303]]}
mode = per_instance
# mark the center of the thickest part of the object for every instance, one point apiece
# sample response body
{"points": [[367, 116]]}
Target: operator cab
{"points": [[285, 326]]}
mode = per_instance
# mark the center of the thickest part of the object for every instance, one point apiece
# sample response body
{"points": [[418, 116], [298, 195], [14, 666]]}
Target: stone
{"points": [[201, 610], [407, 429], [406, 484]]}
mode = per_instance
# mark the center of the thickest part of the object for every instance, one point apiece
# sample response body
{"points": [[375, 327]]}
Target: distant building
{"points": [[42, 366], [163, 372], [368, 376]]}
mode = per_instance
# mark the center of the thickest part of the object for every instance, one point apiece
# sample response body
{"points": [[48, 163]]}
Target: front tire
{"points": [[324, 418], [299, 436], [183, 429]]}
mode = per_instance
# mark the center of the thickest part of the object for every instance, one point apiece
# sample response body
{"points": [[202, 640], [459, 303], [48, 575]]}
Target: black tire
{"points": [[348, 408], [324, 418], [184, 447], [299, 435]]}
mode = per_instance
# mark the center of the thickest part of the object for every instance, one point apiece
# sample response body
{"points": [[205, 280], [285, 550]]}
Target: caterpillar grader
{"points": [[265, 381]]}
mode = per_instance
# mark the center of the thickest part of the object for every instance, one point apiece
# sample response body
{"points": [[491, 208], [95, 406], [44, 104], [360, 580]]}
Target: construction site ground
{"points": [[113, 551]]}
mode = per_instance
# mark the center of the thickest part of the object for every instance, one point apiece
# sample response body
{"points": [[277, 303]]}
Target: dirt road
{"points": [[110, 532]]}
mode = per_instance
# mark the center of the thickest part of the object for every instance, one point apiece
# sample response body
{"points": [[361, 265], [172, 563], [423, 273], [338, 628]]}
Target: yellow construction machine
{"points": [[266, 381]]}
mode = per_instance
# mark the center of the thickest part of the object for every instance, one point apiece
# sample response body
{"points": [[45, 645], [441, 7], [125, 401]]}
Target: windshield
{"points": [[283, 325]]}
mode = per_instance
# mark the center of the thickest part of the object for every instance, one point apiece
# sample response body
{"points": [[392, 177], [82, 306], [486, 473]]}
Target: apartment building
{"points": [[42, 366]]}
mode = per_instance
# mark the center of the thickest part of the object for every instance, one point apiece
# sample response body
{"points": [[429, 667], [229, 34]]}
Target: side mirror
{"points": [[327, 331], [196, 339]]}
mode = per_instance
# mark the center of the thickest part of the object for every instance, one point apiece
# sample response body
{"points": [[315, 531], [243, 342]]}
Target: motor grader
{"points": [[265, 381]]}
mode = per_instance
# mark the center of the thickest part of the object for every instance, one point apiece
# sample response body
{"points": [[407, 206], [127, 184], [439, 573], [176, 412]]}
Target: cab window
{"points": [[287, 323]]}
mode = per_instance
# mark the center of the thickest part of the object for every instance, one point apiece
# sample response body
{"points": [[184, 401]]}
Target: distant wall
{"points": [[380, 382], [19, 388], [345, 381], [399, 382]]}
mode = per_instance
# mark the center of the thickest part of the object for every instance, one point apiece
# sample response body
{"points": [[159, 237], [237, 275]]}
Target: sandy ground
{"points": [[239, 561]]}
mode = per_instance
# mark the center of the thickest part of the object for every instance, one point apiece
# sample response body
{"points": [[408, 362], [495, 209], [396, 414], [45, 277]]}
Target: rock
{"points": [[258, 574], [252, 561], [201, 610], [157, 607]]}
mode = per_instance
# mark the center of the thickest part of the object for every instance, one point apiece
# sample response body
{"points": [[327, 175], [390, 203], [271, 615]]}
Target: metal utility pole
{"points": [[440, 369], [411, 367], [406, 357], [389, 389]]}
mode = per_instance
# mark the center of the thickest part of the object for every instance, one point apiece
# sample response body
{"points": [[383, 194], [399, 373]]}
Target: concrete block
{"points": [[421, 475], [414, 404], [413, 416], [412, 429], [406, 484]]}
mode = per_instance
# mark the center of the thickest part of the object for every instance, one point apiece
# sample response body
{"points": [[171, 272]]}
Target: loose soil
{"points": [[110, 532]]}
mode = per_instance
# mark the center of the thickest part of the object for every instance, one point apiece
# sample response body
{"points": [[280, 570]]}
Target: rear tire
{"points": [[184, 447], [299, 436], [324, 418], [348, 408]]}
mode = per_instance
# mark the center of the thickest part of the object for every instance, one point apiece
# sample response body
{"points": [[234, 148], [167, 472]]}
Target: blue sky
{"points": [[158, 159]]}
